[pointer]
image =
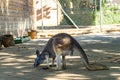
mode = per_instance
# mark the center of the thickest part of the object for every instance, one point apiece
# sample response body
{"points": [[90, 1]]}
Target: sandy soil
{"points": [[16, 62]]}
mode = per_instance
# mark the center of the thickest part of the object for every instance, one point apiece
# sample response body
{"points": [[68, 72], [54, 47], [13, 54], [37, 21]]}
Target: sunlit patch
{"points": [[31, 56], [6, 54], [102, 51], [115, 74], [73, 57], [115, 67], [118, 78], [99, 51], [22, 60], [53, 79], [34, 42], [10, 64], [27, 71], [20, 74], [68, 76], [19, 67], [92, 41], [8, 59], [96, 50]]}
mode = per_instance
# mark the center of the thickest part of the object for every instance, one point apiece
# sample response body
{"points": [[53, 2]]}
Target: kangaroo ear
{"points": [[37, 52]]}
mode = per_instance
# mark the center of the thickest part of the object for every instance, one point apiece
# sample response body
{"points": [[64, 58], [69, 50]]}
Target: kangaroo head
{"points": [[39, 59]]}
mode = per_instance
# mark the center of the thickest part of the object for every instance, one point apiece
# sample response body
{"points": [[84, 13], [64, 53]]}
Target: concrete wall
{"points": [[52, 14], [15, 17]]}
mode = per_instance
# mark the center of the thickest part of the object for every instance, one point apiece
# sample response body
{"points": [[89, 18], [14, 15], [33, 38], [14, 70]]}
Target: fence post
{"points": [[100, 15]]}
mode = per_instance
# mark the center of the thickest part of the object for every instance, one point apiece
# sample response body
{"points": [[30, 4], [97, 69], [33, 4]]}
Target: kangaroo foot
{"points": [[96, 66], [53, 65], [45, 68], [58, 69], [63, 66]]}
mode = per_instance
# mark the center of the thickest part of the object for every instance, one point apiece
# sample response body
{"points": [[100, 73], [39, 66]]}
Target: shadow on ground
{"points": [[16, 62]]}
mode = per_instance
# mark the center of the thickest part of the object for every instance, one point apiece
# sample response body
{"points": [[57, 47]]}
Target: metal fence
{"points": [[91, 12], [81, 12], [87, 12]]}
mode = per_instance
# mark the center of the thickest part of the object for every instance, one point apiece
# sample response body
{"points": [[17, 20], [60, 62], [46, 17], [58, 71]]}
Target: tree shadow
{"points": [[16, 62]]}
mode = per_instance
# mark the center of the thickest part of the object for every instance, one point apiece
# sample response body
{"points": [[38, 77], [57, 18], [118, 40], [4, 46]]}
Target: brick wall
{"points": [[15, 17]]}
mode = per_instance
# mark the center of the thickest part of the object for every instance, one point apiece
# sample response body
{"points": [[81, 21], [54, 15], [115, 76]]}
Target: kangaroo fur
{"points": [[61, 44]]}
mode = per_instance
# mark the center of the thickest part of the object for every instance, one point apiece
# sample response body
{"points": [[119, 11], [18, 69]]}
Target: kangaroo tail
{"points": [[83, 55]]}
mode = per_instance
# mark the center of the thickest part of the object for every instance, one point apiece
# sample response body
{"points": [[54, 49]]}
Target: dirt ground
{"points": [[16, 62]]}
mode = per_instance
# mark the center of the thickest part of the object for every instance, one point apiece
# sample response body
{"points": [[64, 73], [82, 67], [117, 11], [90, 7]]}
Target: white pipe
{"points": [[34, 27], [57, 13], [42, 13], [101, 15]]}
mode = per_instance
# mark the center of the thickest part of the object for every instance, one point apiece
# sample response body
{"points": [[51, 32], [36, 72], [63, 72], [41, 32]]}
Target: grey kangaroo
{"points": [[63, 44]]}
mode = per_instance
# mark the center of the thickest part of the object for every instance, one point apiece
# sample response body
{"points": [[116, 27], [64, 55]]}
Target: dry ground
{"points": [[16, 62]]}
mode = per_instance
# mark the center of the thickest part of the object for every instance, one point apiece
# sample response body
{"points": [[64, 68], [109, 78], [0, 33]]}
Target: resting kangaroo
{"points": [[62, 44]]}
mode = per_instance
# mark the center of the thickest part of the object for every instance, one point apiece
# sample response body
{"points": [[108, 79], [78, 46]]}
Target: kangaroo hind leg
{"points": [[58, 61], [63, 62]]}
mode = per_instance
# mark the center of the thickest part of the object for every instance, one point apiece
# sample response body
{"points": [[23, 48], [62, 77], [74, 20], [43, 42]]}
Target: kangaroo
{"points": [[63, 44]]}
